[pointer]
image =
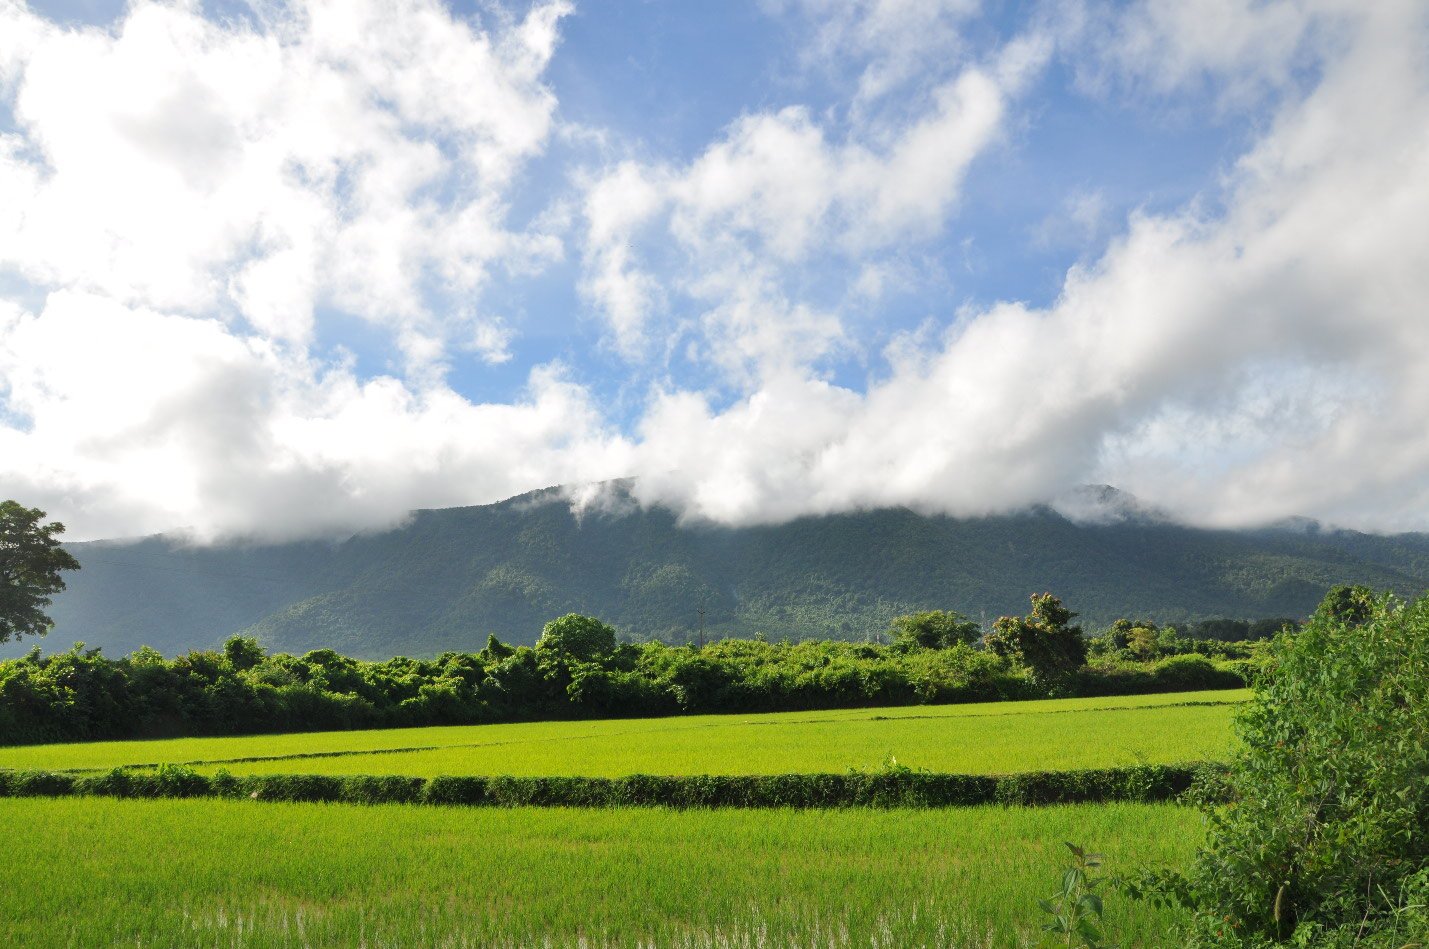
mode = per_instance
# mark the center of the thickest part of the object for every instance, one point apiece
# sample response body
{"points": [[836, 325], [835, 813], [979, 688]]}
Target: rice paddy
{"points": [[224, 873], [999, 737], [177, 873]]}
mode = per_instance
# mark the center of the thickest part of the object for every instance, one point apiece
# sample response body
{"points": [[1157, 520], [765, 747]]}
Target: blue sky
{"points": [[663, 80], [296, 268]]}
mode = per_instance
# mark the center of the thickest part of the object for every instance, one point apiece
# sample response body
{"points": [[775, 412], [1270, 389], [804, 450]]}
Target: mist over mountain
{"points": [[446, 578]]}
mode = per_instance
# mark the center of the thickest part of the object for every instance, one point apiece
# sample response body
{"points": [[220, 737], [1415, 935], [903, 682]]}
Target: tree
{"points": [[934, 629], [1142, 641], [1043, 640], [31, 559], [577, 637], [495, 650], [243, 652]]}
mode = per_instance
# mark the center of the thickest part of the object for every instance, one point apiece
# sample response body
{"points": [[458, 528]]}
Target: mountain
{"points": [[447, 578]]}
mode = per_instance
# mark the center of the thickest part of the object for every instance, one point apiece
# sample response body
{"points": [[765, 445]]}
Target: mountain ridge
{"points": [[445, 578]]}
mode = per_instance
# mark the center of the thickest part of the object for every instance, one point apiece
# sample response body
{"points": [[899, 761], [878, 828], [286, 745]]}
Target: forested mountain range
{"points": [[447, 578]]}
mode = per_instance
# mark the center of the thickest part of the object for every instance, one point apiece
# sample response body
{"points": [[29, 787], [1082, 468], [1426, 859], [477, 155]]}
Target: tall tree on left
{"points": [[31, 559]]}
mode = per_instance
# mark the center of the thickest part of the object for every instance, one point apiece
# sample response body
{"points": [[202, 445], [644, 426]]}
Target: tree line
{"points": [[579, 669]]}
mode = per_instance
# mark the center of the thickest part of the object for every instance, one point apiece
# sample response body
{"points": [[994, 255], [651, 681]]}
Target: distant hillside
{"points": [[447, 578]]}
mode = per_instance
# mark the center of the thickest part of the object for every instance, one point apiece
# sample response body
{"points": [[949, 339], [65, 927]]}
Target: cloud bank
{"points": [[186, 205]]}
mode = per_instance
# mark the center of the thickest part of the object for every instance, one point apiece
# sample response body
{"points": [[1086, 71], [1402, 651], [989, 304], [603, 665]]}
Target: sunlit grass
{"points": [[223, 873], [983, 738], [974, 745]]}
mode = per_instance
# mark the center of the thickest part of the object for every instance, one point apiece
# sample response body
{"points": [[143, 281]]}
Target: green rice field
{"points": [[177, 873], [999, 737]]}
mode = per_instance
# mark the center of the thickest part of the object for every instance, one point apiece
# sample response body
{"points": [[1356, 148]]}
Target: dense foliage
{"points": [[1323, 840], [934, 629], [577, 670], [31, 559], [445, 579]]}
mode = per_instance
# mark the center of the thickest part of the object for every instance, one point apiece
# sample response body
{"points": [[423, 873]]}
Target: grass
{"points": [[983, 738], [224, 873]]}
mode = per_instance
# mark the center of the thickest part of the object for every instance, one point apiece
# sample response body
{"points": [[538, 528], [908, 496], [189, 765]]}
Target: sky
{"points": [[279, 270]]}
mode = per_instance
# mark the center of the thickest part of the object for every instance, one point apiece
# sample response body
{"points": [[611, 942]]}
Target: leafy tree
{"points": [[31, 559], [495, 649], [934, 629], [1350, 605], [243, 652], [1141, 642], [1043, 640], [1322, 832], [578, 637]]}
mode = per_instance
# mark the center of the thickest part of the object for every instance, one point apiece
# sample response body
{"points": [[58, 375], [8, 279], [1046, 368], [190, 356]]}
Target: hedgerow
{"points": [[888, 787]]}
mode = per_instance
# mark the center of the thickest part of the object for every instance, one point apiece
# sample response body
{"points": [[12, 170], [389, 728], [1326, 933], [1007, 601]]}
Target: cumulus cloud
{"points": [[164, 422], [184, 196], [1236, 367], [351, 154], [776, 195], [182, 201]]}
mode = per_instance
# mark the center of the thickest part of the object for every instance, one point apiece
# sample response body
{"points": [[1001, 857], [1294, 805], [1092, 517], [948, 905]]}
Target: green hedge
{"points": [[897, 788]]}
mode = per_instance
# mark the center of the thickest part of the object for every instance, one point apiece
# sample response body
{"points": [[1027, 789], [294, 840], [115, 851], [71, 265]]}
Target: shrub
{"points": [[455, 790], [890, 786], [382, 789], [243, 652], [1187, 673], [293, 787], [934, 629], [1324, 826], [36, 784]]}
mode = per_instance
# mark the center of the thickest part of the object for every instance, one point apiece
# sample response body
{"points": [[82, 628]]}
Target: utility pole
{"points": [[701, 611]]}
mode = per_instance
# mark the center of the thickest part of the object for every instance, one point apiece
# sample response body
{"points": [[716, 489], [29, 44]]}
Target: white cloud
{"points": [[778, 193], [183, 198], [184, 195], [1288, 332], [348, 153], [1076, 223], [894, 41], [492, 340], [140, 421], [1240, 50]]}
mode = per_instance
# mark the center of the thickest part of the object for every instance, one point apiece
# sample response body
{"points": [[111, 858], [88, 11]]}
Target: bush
{"points": [[1189, 673], [934, 629], [1323, 831], [294, 787], [36, 784], [891, 786]]}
